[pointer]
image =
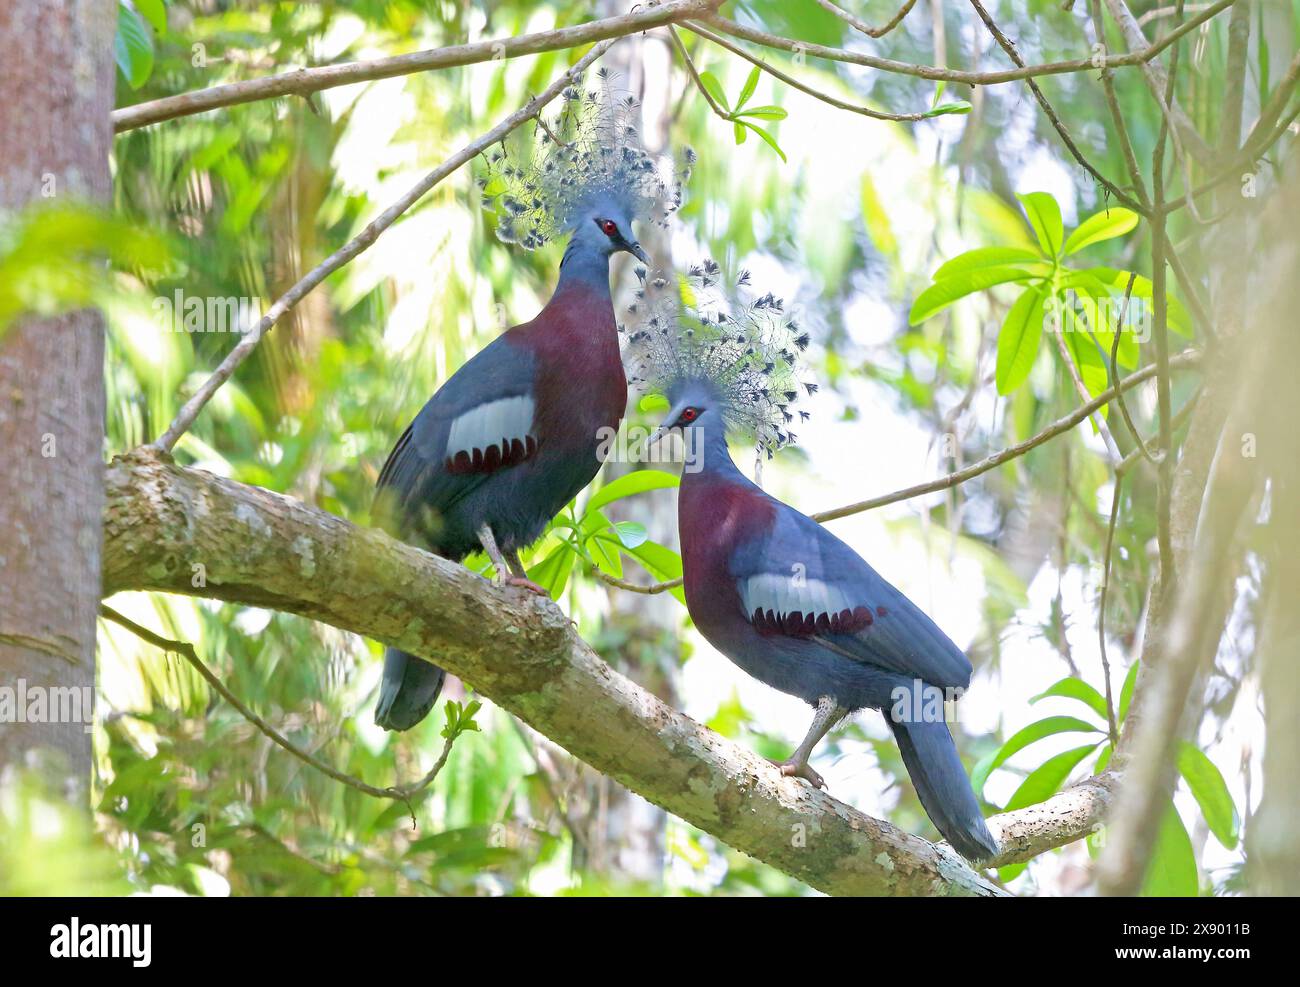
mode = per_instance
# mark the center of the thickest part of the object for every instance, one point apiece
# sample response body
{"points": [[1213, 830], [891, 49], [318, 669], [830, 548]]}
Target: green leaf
{"points": [[133, 47], [1045, 219], [553, 573], [629, 484], [1210, 791], [1018, 340], [460, 719], [651, 403], [662, 563], [1010, 872], [1071, 688], [1099, 313], [1126, 690], [750, 85], [714, 88], [630, 533], [1021, 739], [764, 113], [1103, 759], [1180, 321], [155, 12], [1105, 225], [739, 130], [957, 106], [604, 551], [768, 139], [1085, 355], [1047, 778], [987, 257], [943, 293], [876, 218], [1172, 871]]}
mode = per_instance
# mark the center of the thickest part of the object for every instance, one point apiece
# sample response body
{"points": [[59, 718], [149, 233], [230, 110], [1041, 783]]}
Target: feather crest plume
{"points": [[698, 327], [590, 150]]}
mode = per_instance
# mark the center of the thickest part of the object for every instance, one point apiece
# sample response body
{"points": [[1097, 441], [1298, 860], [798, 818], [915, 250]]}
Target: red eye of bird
{"points": [[610, 227], [689, 415]]}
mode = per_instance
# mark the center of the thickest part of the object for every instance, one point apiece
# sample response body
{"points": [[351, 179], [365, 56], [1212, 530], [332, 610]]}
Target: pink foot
{"points": [[792, 769], [527, 584]]}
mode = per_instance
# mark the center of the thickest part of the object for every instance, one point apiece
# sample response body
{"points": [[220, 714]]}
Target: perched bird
{"points": [[513, 436], [771, 589]]}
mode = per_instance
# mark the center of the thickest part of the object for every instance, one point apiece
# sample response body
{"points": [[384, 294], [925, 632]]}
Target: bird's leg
{"points": [[508, 573], [828, 714], [516, 567]]}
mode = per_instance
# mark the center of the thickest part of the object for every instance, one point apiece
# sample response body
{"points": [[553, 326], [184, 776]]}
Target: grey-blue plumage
{"points": [[503, 445], [780, 595], [514, 435]]}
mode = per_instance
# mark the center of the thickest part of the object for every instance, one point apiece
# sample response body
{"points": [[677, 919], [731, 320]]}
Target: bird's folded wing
{"points": [[799, 580], [480, 422]]}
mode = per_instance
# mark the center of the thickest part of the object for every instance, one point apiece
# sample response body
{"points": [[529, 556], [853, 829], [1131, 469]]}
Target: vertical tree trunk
{"points": [[56, 92], [1273, 853]]}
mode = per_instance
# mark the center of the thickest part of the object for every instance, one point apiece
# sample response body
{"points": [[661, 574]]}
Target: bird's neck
{"points": [[585, 265], [708, 458]]}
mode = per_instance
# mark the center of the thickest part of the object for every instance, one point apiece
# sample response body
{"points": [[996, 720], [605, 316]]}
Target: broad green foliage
{"points": [[133, 47], [738, 116], [600, 543], [52, 259], [1085, 305], [1173, 869]]}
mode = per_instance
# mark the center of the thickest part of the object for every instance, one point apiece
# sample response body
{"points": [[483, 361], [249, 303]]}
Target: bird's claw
{"points": [[524, 583], [800, 769]]}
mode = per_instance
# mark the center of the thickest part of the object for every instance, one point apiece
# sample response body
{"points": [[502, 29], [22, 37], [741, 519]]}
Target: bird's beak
{"points": [[655, 436], [635, 250]]}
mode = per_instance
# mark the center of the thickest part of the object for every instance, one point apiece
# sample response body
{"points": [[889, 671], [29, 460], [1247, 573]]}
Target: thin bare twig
{"points": [[1111, 722], [649, 590], [695, 75], [1252, 150], [1009, 47], [1187, 358], [1272, 111], [1114, 372], [1191, 289], [787, 78], [363, 240], [1159, 12], [1061, 425], [400, 793], [1156, 78], [1116, 115], [1138, 57], [1165, 473], [304, 82], [858, 24], [1058, 335]]}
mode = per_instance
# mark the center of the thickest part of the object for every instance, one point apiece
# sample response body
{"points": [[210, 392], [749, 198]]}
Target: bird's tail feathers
{"points": [[943, 786], [408, 691]]}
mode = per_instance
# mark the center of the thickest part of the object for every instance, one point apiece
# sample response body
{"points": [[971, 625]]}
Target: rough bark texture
{"points": [[56, 91], [168, 529], [185, 531]]}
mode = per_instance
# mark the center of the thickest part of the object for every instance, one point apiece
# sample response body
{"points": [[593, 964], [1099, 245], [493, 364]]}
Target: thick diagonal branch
{"points": [[185, 531]]}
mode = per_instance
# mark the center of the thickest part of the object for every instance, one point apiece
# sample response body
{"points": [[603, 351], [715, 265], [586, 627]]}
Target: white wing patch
{"points": [[798, 604], [784, 594], [493, 434]]}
